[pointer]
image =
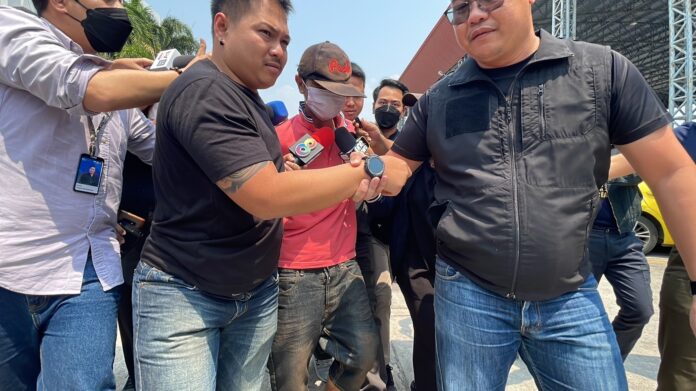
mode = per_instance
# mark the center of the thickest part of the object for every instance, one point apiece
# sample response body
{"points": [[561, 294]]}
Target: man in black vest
{"points": [[520, 135]]}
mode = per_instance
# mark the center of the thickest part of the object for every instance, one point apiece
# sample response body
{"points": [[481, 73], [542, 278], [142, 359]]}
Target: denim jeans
{"points": [[620, 258], [185, 339], [330, 307], [373, 260], [62, 342], [566, 342]]}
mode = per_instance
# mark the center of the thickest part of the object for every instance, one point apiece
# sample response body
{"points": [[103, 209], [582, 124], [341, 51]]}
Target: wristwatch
{"points": [[693, 288], [374, 166]]}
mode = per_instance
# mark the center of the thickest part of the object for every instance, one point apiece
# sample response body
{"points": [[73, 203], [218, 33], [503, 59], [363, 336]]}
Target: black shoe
{"points": [[390, 378]]}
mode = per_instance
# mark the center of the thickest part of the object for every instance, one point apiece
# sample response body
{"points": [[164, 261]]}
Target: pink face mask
{"points": [[324, 104]]}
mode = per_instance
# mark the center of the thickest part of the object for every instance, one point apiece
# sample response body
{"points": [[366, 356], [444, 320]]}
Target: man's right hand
{"points": [[200, 55], [398, 173]]}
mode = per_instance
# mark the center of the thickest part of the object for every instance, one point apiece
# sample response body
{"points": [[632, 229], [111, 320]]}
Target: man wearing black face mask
{"points": [[389, 110], [63, 111], [388, 106]]}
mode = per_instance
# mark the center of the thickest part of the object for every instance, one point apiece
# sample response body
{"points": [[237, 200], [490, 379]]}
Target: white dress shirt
{"points": [[46, 228]]}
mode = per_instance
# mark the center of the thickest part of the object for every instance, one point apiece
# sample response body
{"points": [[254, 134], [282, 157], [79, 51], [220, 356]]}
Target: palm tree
{"points": [[173, 34], [149, 37]]}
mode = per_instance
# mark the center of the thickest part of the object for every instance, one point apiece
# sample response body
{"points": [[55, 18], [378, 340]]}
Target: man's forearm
{"points": [[119, 89], [382, 145], [263, 192], [676, 195], [619, 167]]}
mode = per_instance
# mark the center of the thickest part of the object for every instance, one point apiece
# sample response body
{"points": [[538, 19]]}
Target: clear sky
{"points": [[381, 36]]}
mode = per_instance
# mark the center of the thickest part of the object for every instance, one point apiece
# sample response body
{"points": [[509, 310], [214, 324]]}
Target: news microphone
{"points": [[167, 60], [348, 144], [182, 61], [307, 148], [277, 111]]}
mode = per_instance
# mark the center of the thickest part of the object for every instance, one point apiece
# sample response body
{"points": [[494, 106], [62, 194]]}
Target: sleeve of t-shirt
{"points": [[411, 142], [34, 60], [217, 130], [141, 138], [636, 110]]}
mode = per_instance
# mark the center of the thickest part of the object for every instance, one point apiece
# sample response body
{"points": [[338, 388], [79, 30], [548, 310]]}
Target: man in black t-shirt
{"points": [[205, 292], [520, 135]]}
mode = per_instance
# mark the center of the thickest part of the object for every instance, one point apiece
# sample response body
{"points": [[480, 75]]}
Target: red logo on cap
{"points": [[335, 66]]}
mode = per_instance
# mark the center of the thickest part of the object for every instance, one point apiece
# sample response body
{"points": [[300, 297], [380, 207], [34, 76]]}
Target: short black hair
{"points": [[389, 83], [40, 6], [235, 9], [357, 71]]}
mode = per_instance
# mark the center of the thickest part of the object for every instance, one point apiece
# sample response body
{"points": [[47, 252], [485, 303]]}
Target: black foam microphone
{"points": [[182, 61], [347, 143]]}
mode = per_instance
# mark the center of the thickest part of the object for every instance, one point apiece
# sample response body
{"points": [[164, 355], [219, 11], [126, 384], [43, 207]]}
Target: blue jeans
{"points": [[566, 342], [330, 307], [62, 342], [620, 258], [185, 339]]}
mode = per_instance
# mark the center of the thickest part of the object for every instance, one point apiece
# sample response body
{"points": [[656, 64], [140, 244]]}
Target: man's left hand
{"points": [[136, 64]]}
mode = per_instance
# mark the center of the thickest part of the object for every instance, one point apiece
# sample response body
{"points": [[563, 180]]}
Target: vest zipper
{"points": [[513, 165], [542, 111]]}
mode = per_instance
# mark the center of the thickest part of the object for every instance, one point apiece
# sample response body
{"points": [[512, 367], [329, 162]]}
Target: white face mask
{"points": [[324, 104]]}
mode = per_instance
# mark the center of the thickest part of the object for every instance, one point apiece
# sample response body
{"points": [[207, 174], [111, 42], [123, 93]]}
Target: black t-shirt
{"points": [[636, 111], [503, 77], [209, 127]]}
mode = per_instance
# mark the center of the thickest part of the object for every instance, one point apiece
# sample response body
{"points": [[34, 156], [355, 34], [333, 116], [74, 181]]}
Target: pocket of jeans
{"points": [[352, 269], [445, 271], [287, 280], [150, 275]]}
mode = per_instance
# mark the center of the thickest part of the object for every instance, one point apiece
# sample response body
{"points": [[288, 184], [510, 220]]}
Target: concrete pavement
{"points": [[641, 365]]}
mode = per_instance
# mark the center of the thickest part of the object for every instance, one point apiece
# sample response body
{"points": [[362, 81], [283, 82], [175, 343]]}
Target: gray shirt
{"points": [[46, 228]]}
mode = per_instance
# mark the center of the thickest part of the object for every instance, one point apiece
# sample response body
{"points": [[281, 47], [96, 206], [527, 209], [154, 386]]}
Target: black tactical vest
{"points": [[517, 191]]}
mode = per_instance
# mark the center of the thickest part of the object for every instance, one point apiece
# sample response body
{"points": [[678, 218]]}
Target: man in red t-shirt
{"points": [[322, 295]]}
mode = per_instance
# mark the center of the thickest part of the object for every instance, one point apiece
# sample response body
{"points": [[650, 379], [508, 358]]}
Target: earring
{"points": [[222, 43]]}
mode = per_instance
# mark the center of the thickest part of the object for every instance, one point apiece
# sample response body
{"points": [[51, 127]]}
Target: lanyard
{"points": [[94, 134]]}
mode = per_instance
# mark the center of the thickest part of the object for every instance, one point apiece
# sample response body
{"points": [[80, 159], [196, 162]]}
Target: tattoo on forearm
{"points": [[234, 182]]}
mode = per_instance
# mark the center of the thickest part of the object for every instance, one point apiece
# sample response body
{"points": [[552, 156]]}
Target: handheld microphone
{"points": [[170, 59], [348, 144], [277, 111], [307, 148], [182, 61]]}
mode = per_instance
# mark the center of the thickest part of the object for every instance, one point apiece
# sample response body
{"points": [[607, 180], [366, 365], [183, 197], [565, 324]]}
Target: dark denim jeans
{"points": [[619, 257], [675, 339], [187, 340], [59, 342], [566, 342], [330, 307]]}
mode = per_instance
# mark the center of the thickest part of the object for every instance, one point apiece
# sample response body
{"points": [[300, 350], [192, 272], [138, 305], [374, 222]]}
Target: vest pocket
{"points": [[566, 105], [470, 113]]}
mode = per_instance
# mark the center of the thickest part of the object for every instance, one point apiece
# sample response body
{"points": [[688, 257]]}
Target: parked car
{"points": [[651, 228]]}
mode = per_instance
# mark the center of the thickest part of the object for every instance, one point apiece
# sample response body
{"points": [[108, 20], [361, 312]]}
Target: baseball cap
{"points": [[410, 99], [328, 66]]}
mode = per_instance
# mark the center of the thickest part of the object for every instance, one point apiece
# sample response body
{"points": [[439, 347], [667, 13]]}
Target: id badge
{"points": [[88, 175]]}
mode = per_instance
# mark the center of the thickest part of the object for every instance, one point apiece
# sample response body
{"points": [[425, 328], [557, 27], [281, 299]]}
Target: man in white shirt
{"points": [[59, 264]]}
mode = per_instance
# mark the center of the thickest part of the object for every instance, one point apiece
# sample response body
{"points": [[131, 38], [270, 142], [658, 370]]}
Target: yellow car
{"points": [[651, 228]]}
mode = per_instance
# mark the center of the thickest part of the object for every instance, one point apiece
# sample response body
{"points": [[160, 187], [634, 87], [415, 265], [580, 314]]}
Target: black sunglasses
{"points": [[459, 13]]}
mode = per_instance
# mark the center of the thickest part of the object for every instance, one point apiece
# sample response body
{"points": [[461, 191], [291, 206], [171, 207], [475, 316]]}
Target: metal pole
{"points": [[681, 61]]}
